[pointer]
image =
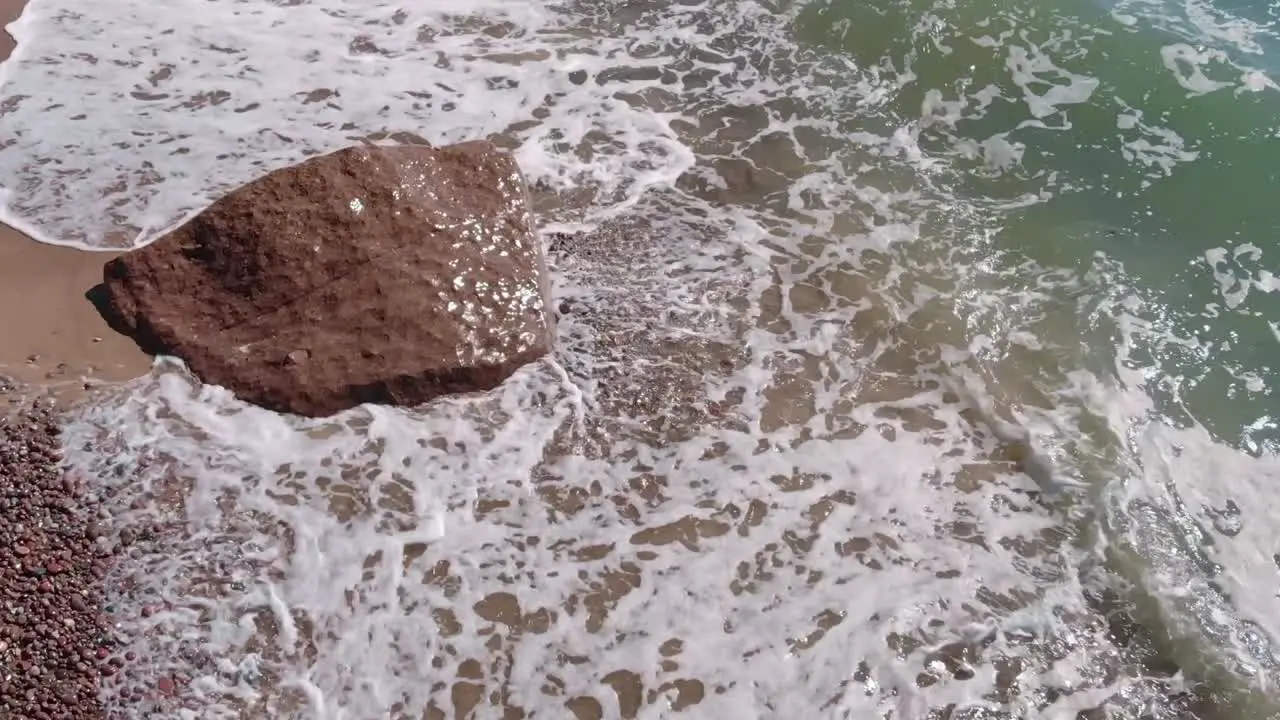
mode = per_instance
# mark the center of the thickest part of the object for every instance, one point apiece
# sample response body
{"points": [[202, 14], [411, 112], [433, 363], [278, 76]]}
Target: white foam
{"points": [[740, 589], [1235, 519], [1211, 35], [1236, 274], [1188, 67], [215, 100], [1030, 66], [1159, 149], [1188, 506]]}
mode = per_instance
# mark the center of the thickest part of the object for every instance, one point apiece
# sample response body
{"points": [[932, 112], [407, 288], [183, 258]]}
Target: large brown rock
{"points": [[373, 274]]}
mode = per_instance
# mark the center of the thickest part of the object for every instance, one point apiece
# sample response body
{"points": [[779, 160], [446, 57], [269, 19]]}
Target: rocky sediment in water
{"points": [[55, 642], [383, 274]]}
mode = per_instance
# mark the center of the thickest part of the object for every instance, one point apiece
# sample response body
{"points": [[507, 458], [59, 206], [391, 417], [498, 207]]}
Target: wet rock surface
{"points": [[55, 642], [383, 274]]}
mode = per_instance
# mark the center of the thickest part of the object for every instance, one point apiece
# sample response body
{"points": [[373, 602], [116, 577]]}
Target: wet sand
{"points": [[51, 337], [9, 11]]}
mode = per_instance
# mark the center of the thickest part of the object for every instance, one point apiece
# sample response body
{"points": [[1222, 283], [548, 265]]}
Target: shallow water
{"points": [[915, 361]]}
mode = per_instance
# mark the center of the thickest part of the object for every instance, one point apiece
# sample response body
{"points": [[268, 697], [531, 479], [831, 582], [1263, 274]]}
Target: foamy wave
{"points": [[748, 484], [192, 99]]}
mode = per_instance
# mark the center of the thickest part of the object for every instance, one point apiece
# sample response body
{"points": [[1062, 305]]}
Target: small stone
{"points": [[165, 685], [578, 77], [47, 667]]}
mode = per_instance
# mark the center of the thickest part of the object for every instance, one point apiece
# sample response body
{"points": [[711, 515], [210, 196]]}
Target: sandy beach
{"points": [[53, 337]]}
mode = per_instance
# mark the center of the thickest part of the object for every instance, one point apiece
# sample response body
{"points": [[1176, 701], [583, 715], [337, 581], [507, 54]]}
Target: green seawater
{"points": [[1103, 180], [1065, 124]]}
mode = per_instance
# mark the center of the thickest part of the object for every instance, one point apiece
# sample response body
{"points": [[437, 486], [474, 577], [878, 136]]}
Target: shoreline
{"points": [[57, 642], [54, 342]]}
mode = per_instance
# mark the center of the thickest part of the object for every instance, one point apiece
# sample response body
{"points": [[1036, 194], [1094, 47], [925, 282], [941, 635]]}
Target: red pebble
{"points": [[165, 684], [102, 653]]}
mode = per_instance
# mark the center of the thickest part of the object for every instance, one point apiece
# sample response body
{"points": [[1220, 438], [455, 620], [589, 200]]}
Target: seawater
{"points": [[916, 361]]}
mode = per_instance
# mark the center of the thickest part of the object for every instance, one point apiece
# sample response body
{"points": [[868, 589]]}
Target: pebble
{"points": [[50, 590]]}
